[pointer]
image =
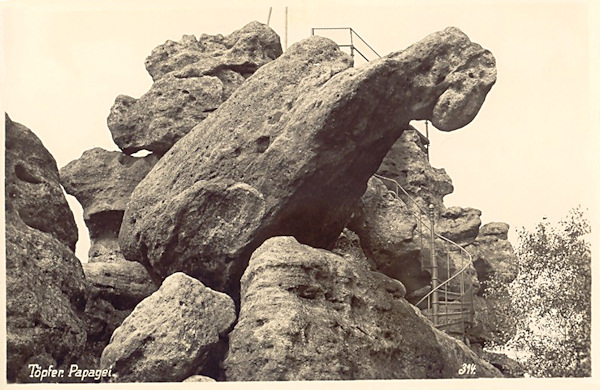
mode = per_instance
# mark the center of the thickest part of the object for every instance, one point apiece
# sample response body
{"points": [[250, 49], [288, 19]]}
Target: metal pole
{"points": [[427, 136], [434, 270], [269, 18], [286, 28], [351, 45]]}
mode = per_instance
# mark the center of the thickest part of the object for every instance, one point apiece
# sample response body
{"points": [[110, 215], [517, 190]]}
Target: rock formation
{"points": [[171, 334], [308, 314], [494, 254], [32, 185], [45, 288], [102, 182], [407, 163], [191, 79], [290, 152]]}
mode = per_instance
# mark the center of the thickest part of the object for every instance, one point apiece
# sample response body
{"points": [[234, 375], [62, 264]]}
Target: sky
{"points": [[530, 153]]}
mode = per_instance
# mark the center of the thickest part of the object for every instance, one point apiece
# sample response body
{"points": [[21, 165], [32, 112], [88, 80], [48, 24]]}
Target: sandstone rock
{"points": [[163, 115], [243, 52], [45, 298], [308, 314], [407, 164], [191, 79], [124, 284], [199, 378], [460, 225], [348, 244], [170, 335], [493, 254], [45, 288], [102, 181], [290, 152], [32, 185], [387, 234], [508, 367]]}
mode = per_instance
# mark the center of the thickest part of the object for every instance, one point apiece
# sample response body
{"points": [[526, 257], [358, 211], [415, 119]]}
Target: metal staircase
{"points": [[449, 302]]}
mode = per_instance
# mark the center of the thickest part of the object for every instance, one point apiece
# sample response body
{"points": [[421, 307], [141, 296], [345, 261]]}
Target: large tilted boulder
{"points": [[45, 287], [32, 185], [309, 314], [191, 79], [386, 228], [407, 163], [171, 334], [102, 181], [459, 224], [291, 151]]}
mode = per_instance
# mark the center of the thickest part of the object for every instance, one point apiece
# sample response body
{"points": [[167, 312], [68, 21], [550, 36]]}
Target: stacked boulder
{"points": [[191, 79], [45, 286]]}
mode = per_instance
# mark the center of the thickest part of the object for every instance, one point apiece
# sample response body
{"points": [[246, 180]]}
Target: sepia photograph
{"points": [[316, 194]]}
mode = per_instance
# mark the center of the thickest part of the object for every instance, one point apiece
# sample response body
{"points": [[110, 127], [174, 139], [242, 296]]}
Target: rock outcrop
{"points": [[459, 224], [494, 255], [45, 287], [290, 152], [308, 314], [387, 231], [102, 181], [171, 334], [32, 185], [191, 79], [407, 163]]}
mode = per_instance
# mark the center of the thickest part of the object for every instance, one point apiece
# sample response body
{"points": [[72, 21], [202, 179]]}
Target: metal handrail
{"points": [[351, 45], [442, 287]]}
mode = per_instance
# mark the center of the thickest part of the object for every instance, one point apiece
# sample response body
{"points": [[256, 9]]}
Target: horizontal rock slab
{"points": [[124, 284], [309, 314], [243, 51], [294, 146], [170, 335], [32, 185]]}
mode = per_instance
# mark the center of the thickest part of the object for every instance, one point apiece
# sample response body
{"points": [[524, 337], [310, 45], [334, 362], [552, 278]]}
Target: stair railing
{"points": [[441, 294], [353, 35]]}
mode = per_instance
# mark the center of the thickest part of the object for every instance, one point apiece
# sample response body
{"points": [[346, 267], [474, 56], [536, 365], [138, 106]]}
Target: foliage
{"points": [[549, 303]]}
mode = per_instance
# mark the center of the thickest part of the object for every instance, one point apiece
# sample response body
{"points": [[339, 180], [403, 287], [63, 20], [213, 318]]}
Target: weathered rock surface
{"points": [[124, 284], [309, 314], [102, 181], [199, 378], [243, 51], [290, 152], [493, 254], [387, 235], [45, 288], [32, 185], [459, 224], [163, 115], [191, 79], [407, 163], [170, 335]]}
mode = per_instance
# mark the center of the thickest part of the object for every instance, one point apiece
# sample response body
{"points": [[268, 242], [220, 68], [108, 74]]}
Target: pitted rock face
{"points": [[171, 334], [45, 286], [407, 164], [305, 133], [244, 51], [191, 79], [32, 185], [387, 231], [308, 314], [102, 181]]}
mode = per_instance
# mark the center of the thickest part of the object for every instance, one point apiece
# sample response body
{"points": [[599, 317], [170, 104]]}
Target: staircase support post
{"points": [[434, 270]]}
